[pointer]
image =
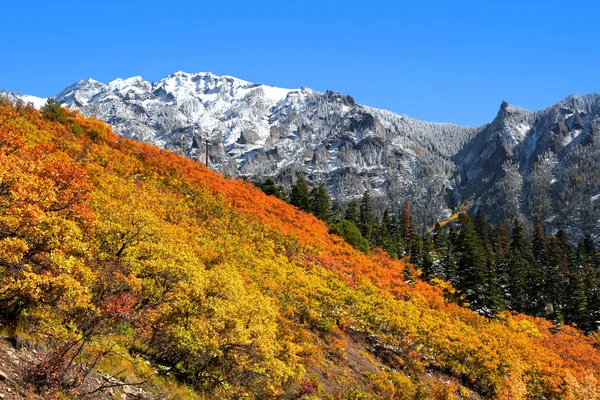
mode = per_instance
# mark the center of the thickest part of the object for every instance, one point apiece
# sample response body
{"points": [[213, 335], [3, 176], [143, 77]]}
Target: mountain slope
{"points": [[257, 130], [518, 165], [132, 254]]}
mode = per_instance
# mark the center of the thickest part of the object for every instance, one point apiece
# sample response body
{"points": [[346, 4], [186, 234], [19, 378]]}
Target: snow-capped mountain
{"points": [[518, 165]]}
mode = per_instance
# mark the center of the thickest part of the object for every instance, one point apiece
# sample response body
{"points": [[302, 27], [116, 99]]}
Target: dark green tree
{"points": [[320, 203], [365, 218], [54, 112], [440, 238], [351, 234], [471, 264], [352, 212], [272, 189], [300, 196], [428, 266]]}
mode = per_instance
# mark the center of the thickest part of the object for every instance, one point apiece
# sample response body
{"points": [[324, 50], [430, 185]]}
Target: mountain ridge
{"points": [[255, 130]]}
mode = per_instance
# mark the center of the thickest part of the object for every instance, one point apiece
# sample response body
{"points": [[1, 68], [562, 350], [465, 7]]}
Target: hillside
{"points": [[121, 257], [520, 164]]}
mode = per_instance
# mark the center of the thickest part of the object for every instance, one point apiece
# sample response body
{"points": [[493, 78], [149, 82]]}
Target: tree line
{"points": [[495, 268]]}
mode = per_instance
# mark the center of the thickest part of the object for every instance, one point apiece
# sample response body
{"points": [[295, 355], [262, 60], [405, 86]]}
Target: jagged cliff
{"points": [[520, 164]]}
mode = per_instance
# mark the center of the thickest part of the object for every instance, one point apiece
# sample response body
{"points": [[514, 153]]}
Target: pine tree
{"points": [[559, 258], [415, 247], [449, 258], [518, 267], [427, 257], [320, 203], [482, 227], [500, 246], [576, 303], [551, 285], [587, 256], [349, 232], [471, 262], [272, 189], [300, 196], [365, 219], [440, 238], [528, 277], [352, 212], [398, 243], [54, 112], [539, 245]]}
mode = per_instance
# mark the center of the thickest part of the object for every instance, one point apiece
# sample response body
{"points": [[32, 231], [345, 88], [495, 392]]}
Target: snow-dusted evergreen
{"points": [[520, 164]]}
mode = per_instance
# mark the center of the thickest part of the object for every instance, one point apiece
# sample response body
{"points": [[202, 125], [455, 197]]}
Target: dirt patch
{"points": [[16, 362]]}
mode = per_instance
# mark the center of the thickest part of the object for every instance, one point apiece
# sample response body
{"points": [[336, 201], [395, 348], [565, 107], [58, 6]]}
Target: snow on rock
{"points": [[255, 130], [37, 102]]}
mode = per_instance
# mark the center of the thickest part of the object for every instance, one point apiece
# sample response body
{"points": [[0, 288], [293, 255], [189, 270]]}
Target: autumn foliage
{"points": [[235, 293]]}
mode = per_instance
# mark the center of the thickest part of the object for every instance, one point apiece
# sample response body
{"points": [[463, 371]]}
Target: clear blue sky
{"points": [[445, 60]]}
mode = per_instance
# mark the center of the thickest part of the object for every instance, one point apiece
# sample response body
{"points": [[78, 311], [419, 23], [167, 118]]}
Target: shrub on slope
{"points": [[107, 242]]}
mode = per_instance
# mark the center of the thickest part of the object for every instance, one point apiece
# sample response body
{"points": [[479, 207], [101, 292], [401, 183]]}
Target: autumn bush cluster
{"points": [[113, 247]]}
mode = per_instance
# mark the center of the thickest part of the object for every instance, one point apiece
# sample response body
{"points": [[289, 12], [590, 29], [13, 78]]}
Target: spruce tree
{"points": [[390, 233], [587, 257], [427, 257], [471, 274], [440, 238], [557, 267], [500, 244], [352, 212], [576, 303], [365, 219], [300, 196], [481, 227], [54, 112], [272, 189], [518, 267], [350, 233], [320, 203], [449, 258]]}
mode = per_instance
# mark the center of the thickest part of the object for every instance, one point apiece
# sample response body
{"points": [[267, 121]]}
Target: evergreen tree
{"points": [[272, 189], [415, 247], [351, 234], [587, 257], [449, 258], [54, 112], [352, 212], [365, 219], [471, 274], [300, 196], [428, 266], [556, 267], [500, 246], [528, 279], [390, 234], [440, 238], [395, 233], [539, 245], [576, 303], [336, 214], [518, 267], [552, 283], [482, 227], [382, 236], [320, 203]]}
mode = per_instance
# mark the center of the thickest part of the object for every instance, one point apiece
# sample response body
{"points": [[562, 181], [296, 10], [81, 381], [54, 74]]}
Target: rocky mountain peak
{"points": [[256, 130]]}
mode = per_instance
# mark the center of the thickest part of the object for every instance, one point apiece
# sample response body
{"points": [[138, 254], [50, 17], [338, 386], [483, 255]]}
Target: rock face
{"points": [[520, 164]]}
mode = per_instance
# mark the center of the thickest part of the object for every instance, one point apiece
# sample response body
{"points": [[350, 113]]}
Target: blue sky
{"points": [[450, 61]]}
